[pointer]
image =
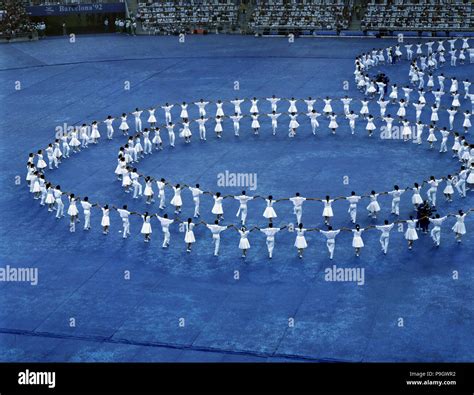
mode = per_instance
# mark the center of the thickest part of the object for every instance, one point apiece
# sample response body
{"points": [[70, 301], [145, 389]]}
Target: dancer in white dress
{"points": [[148, 192], [327, 110], [124, 125], [151, 117], [330, 235], [255, 123], [467, 121], [292, 107], [244, 243], [176, 201], [437, 221], [411, 235], [217, 208], [357, 242], [385, 235], [254, 107], [449, 189], [146, 230], [416, 199], [186, 131], [105, 222], [300, 242], [327, 211], [216, 230], [333, 123], [73, 212], [218, 128], [184, 111], [459, 227], [294, 124], [374, 207], [269, 212], [189, 238], [219, 110], [157, 141]]}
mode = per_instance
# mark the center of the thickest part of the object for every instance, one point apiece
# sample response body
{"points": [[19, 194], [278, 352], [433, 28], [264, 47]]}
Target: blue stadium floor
{"points": [[81, 275]]}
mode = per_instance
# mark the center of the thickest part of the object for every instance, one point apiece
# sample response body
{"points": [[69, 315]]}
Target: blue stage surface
{"points": [[81, 274]]}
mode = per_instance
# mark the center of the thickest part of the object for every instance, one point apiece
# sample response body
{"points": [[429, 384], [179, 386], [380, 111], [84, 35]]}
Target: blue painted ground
{"points": [[81, 275]]}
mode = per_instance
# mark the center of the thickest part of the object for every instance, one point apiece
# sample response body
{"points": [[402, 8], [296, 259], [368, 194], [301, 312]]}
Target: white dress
{"points": [[184, 111], [126, 180], [124, 124], [300, 241], [449, 190], [255, 123], [146, 227], [416, 198], [74, 141], [470, 178], [459, 226], [269, 211], [177, 201], [411, 233], [41, 164], [189, 235], [105, 217], [148, 189], [152, 118], [374, 206], [333, 124], [217, 208], [327, 212], [49, 197], [95, 132], [72, 210], [293, 122], [357, 241], [244, 241]]}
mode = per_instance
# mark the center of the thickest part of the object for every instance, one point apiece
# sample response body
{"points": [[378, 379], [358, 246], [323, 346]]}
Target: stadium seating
{"points": [[305, 15], [427, 15], [14, 21], [165, 17]]}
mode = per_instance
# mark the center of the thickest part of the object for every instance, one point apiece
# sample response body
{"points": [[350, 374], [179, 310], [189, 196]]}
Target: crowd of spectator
{"points": [[424, 15], [14, 21], [313, 14], [168, 17]]}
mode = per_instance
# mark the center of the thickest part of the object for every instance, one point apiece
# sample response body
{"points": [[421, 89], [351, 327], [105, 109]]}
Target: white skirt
{"points": [[124, 126], [357, 242], [176, 201], [327, 108], [105, 221], [41, 164], [327, 212], [146, 228], [333, 125], [244, 244], [156, 140], [411, 234], [416, 199], [432, 138], [373, 207], [126, 181], [36, 187], [148, 191], [255, 124], [95, 134], [75, 142], [72, 210], [151, 119], [187, 133], [269, 213], [189, 237], [184, 114], [460, 228], [217, 209], [49, 199], [401, 112], [448, 190], [294, 124], [467, 123], [470, 179], [119, 170], [218, 127], [434, 117], [300, 242], [220, 112]]}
